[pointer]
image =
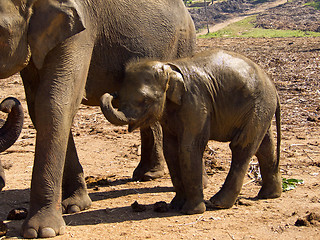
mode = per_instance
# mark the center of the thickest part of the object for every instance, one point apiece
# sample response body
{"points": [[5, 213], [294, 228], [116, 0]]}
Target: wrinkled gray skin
{"points": [[11, 128], [73, 51], [215, 95]]}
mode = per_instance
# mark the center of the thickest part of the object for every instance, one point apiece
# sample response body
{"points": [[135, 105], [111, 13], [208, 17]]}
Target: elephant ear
{"points": [[52, 22], [176, 84]]}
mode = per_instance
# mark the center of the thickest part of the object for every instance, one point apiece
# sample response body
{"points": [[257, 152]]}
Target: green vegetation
{"points": [[289, 184], [315, 4], [246, 28]]}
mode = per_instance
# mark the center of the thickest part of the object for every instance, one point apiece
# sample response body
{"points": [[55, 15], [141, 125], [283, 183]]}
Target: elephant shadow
{"points": [[102, 195], [115, 215], [118, 214], [10, 199]]}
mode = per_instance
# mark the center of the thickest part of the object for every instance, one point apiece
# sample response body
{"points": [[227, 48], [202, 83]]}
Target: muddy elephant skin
{"points": [[215, 95], [71, 52], [11, 128]]}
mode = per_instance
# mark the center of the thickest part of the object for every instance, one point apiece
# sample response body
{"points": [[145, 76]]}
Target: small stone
{"points": [[313, 217], [136, 207], [245, 202], [161, 207], [302, 222], [17, 214], [311, 119]]}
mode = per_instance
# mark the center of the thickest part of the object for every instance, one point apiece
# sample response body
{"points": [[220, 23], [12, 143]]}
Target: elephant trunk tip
{"points": [[114, 116], [8, 104], [12, 127]]}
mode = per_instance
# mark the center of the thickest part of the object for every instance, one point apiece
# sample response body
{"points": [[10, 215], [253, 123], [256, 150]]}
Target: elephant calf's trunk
{"points": [[11, 129], [112, 115]]}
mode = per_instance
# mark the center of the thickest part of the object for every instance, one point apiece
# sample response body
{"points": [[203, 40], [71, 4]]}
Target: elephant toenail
{"points": [[74, 209], [47, 232], [30, 233]]}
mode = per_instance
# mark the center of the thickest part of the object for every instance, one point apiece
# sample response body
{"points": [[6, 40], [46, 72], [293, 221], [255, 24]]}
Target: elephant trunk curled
{"points": [[112, 115], [11, 129]]}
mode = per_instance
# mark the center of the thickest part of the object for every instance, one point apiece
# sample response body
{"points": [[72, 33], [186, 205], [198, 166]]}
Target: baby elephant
{"points": [[215, 95]]}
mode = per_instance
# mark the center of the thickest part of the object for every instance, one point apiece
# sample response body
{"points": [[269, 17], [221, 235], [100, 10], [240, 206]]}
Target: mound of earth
{"points": [[295, 15]]}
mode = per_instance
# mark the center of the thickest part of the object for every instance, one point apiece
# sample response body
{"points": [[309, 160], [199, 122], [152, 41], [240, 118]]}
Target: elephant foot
{"points": [[192, 207], [142, 173], [45, 223], [77, 202], [271, 190], [222, 201]]}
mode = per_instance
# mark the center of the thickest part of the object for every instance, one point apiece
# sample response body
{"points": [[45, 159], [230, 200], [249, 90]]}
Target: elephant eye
{"points": [[148, 100]]}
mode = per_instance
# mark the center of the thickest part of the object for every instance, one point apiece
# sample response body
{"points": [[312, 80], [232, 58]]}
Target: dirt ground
{"points": [[111, 153]]}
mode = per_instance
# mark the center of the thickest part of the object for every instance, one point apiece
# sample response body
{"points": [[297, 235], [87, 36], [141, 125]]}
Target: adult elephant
{"points": [[71, 52], [11, 129]]}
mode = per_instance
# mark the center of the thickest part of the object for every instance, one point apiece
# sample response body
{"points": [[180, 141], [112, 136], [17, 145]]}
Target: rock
{"points": [[302, 222], [136, 207], [161, 207], [17, 214], [311, 219]]}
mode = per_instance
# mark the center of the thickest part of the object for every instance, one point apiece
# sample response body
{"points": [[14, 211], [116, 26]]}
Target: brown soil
{"points": [[293, 15], [109, 155]]}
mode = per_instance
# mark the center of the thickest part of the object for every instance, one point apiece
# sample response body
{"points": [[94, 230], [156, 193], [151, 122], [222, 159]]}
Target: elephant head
{"points": [[11, 129], [146, 87], [33, 28]]}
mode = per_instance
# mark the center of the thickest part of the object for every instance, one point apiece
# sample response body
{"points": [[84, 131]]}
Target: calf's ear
{"points": [[51, 23], [176, 86]]}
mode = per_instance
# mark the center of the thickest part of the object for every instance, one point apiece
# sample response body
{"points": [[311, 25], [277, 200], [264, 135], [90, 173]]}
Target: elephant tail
{"points": [[278, 127]]}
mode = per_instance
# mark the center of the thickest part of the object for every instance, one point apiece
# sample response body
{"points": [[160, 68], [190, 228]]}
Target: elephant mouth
{"points": [[142, 123], [132, 127], [134, 124]]}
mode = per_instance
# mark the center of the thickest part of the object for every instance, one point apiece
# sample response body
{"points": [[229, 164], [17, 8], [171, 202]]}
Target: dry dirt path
{"points": [[259, 9]]}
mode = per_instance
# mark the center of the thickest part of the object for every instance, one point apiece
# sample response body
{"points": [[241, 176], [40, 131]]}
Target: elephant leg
{"points": [[191, 170], [56, 99], [44, 218], [171, 149], [231, 188], [75, 197], [151, 165], [269, 168]]}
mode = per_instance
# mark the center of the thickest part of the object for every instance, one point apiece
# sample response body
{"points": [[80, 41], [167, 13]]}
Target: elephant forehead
{"points": [[147, 89]]}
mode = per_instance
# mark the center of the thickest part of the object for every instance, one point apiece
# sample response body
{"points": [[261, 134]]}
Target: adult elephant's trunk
{"points": [[11, 129], [112, 115]]}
